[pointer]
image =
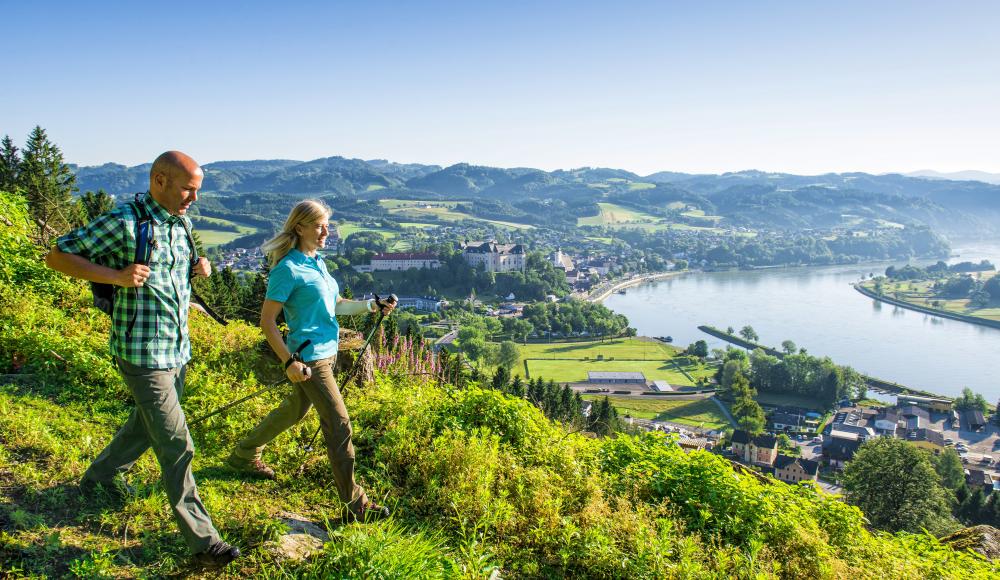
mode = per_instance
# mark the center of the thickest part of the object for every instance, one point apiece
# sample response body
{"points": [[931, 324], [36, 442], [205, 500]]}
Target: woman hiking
{"points": [[300, 285]]}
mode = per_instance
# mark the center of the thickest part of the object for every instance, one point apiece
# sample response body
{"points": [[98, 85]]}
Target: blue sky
{"points": [[804, 87]]}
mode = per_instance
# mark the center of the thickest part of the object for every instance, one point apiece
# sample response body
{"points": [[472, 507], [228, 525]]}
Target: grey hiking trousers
{"points": [[320, 390], [158, 422]]}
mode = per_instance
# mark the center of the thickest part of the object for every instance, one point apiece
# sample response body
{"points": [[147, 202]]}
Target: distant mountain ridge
{"points": [[752, 198], [970, 175]]}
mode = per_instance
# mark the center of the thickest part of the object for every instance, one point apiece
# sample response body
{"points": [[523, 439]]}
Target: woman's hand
{"points": [[298, 372], [386, 305]]}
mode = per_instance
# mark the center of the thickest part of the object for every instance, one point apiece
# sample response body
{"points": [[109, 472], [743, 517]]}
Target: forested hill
{"points": [[481, 483], [746, 198]]}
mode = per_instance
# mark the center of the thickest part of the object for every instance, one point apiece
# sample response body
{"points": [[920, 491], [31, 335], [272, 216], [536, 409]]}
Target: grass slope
{"points": [[479, 482], [614, 216], [216, 237], [438, 212]]}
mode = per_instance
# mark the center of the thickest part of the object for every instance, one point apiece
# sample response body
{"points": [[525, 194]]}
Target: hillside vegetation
{"points": [[479, 482]]}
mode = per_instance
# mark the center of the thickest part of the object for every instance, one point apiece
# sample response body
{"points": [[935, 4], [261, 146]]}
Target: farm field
{"points": [[697, 412], [216, 237], [921, 293], [570, 362], [617, 217], [347, 228], [437, 212]]}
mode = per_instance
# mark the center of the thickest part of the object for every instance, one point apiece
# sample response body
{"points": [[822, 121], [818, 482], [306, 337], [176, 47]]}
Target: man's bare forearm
{"points": [[80, 267]]}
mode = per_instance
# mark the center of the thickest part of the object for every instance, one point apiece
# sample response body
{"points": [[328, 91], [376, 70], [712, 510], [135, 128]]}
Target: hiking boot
{"points": [[217, 555], [254, 466], [370, 512], [115, 489]]}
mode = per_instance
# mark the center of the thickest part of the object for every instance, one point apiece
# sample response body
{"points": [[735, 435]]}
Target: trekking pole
{"points": [[251, 395], [357, 364]]}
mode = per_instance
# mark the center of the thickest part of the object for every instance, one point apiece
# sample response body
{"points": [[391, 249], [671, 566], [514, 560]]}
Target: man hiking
{"points": [[149, 339]]}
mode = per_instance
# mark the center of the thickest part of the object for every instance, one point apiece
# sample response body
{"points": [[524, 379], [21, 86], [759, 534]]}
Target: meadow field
{"points": [[695, 412], [216, 237], [921, 293], [619, 217], [437, 211], [570, 361]]}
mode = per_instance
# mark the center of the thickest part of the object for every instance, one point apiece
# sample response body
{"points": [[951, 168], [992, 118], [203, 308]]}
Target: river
{"points": [[818, 309]]}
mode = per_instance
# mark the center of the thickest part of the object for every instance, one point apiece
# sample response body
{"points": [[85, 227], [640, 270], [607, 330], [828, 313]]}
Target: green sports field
{"points": [[570, 362]]}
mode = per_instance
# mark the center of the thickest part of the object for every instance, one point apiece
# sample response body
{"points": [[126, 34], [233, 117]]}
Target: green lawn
{"points": [[615, 214], [212, 237], [418, 225], [391, 204], [617, 217], [921, 293], [697, 413], [639, 186], [700, 214], [349, 228], [619, 348], [438, 211], [570, 362]]}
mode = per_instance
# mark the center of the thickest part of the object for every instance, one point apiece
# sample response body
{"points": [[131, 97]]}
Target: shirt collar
{"points": [[157, 211], [300, 256]]}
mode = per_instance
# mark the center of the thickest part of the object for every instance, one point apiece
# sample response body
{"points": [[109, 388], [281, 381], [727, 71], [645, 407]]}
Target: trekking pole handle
{"points": [[390, 300]]}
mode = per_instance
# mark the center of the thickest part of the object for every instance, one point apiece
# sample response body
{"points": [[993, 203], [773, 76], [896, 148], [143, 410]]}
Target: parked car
{"points": [[949, 441], [817, 439]]}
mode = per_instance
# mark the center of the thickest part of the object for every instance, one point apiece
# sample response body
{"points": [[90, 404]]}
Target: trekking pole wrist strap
{"points": [[297, 355]]}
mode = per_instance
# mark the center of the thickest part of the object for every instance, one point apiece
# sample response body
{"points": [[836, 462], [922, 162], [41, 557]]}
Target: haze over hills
{"points": [[970, 175], [749, 198]]}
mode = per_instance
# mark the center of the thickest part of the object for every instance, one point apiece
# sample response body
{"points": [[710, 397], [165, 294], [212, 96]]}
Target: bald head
{"points": [[174, 181], [174, 163]]}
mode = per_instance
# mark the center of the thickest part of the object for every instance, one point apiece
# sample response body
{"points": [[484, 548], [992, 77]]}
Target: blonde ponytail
{"points": [[305, 212]]}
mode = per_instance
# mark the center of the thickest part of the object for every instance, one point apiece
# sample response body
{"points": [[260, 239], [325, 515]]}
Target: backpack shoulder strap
{"points": [[194, 260], [143, 231], [190, 237]]}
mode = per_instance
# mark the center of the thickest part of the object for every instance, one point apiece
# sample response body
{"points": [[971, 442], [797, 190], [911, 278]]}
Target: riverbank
{"points": [[603, 292], [873, 383], [926, 309]]}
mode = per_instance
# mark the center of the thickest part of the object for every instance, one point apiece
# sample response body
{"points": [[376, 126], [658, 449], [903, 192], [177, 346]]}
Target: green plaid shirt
{"points": [[159, 338]]}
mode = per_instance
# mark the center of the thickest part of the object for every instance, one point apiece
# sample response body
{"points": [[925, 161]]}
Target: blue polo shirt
{"points": [[309, 295]]}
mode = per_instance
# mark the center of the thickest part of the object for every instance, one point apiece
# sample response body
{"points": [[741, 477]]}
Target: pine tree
{"points": [[536, 392], [48, 185], [10, 165], [501, 380], [551, 402], [747, 411], [94, 204], [566, 404], [391, 329], [517, 387]]}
